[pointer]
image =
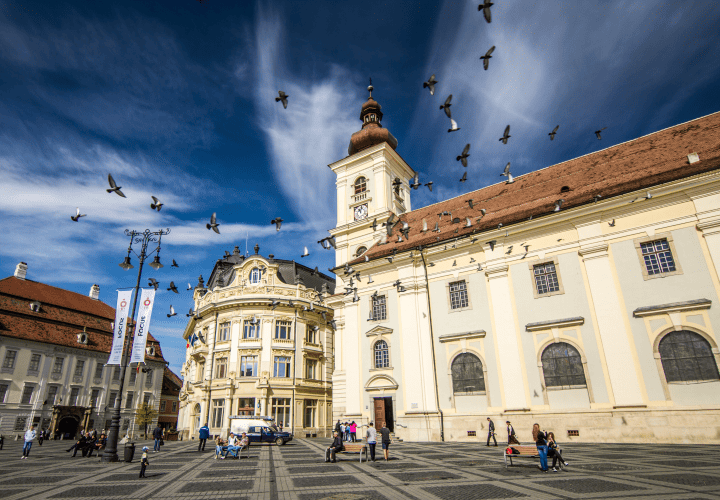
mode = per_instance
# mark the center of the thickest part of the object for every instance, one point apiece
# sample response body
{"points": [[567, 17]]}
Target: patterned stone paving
{"points": [[419, 471]]}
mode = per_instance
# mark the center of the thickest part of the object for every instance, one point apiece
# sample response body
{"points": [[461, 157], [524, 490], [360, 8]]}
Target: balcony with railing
{"points": [[360, 196]]}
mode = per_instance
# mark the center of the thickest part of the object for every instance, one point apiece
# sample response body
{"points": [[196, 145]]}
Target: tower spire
{"points": [[370, 88]]}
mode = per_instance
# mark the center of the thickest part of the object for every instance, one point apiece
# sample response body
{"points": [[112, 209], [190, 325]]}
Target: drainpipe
{"points": [[212, 366], [294, 369], [432, 349]]}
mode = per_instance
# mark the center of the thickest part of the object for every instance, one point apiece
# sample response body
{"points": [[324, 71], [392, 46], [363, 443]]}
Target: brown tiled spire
{"points": [[372, 132]]}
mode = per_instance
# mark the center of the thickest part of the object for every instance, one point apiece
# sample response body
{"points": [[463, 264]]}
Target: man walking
{"points": [[204, 435], [385, 433], [157, 436], [336, 446], [491, 432], [371, 439], [29, 437], [512, 438]]}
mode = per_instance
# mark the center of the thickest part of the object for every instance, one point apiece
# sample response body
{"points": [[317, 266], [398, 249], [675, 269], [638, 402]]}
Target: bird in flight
{"points": [[278, 222], [190, 287], [190, 313], [328, 242], [646, 197], [554, 131], [213, 224], [596, 198], [172, 312], [114, 187], [506, 135], [305, 253], [486, 58], [430, 84], [173, 288], [174, 264], [374, 224], [77, 215], [470, 202], [282, 97], [485, 8], [415, 182], [274, 304], [453, 126], [507, 174], [155, 205], [446, 106], [492, 245], [558, 205], [462, 158], [429, 185], [464, 177], [153, 283], [612, 224], [597, 133]]}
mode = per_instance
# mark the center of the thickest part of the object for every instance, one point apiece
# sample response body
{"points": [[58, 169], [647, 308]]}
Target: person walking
{"points": [[554, 452], [512, 438], [342, 431], [144, 461], [29, 437], [157, 436], [40, 437], [540, 438], [338, 427], [491, 432], [336, 446], [353, 431], [203, 434], [385, 433], [371, 439]]}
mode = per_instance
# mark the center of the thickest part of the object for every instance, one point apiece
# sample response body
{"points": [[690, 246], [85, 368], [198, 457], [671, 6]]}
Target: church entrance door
{"points": [[384, 413]]}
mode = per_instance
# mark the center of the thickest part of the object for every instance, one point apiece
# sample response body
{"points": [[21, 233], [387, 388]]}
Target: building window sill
{"points": [[33, 373], [7, 370], [475, 393], [387, 368], [565, 387]]}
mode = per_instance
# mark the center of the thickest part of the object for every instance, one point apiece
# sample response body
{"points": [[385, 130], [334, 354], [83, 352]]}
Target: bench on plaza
{"points": [[525, 452], [356, 448]]}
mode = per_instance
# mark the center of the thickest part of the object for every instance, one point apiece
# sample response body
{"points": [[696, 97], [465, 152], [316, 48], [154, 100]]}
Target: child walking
{"points": [[144, 461]]}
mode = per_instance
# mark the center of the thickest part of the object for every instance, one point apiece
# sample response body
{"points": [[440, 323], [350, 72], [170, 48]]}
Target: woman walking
{"points": [[540, 438], [353, 431], [554, 452]]}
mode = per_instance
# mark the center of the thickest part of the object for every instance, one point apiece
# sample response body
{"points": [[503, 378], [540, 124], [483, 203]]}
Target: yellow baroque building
{"points": [[583, 296], [259, 343]]}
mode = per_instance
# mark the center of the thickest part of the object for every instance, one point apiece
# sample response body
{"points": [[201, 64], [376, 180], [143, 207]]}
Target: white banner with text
{"points": [[121, 314], [147, 299]]}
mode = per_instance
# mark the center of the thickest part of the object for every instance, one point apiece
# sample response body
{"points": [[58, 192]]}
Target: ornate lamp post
{"points": [[144, 239]]}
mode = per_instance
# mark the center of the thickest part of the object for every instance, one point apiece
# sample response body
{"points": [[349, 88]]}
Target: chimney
{"points": [[693, 158], [94, 292], [21, 270]]}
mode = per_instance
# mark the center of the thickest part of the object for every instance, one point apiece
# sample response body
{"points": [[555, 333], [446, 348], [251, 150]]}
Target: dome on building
{"points": [[372, 131]]}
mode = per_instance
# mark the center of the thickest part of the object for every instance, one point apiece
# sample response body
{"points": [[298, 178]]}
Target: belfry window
{"points": [[360, 185]]}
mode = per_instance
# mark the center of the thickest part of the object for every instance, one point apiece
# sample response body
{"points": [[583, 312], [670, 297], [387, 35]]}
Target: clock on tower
{"points": [[361, 212]]}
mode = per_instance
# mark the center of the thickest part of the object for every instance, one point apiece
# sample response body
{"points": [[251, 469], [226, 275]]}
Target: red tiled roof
{"points": [[173, 378], [642, 163]]}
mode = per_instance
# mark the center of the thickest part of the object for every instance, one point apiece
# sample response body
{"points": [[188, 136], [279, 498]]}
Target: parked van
{"points": [[259, 429]]}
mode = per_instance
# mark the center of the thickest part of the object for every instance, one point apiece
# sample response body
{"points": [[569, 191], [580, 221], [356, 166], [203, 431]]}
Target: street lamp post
{"points": [[144, 239]]}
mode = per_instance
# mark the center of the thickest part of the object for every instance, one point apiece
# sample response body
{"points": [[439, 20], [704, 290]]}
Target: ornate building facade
{"points": [[53, 347], [596, 316], [260, 342]]}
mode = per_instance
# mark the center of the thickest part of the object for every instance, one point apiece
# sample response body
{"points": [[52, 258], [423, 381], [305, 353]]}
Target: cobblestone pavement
{"points": [[427, 471]]}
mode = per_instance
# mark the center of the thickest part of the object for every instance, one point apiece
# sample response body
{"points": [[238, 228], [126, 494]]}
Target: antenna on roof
{"points": [[246, 240]]}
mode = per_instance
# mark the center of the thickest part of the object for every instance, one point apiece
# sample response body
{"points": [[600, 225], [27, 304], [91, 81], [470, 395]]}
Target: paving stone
{"points": [[329, 480], [365, 495], [473, 492], [310, 469], [215, 486], [586, 485], [99, 491], [685, 479], [32, 480], [392, 465], [430, 475]]}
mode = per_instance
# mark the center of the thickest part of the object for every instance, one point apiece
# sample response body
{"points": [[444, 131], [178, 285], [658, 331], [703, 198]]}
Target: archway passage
{"points": [[67, 427]]}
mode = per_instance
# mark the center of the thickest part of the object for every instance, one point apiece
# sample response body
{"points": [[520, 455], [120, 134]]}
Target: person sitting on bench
{"points": [[232, 446], [79, 444], [335, 447]]}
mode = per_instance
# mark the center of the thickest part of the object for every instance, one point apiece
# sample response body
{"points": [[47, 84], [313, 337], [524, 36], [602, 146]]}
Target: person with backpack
{"points": [[491, 432], [540, 438], [554, 452]]}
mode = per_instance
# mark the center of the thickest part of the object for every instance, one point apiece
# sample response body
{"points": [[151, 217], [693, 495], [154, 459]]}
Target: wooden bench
{"points": [[525, 452], [356, 448]]}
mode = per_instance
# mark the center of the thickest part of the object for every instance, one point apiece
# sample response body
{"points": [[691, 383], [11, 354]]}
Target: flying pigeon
{"points": [[153, 283], [333, 325], [430, 84], [483, 211], [646, 197], [472, 260], [492, 245], [114, 187], [328, 242], [485, 8], [190, 287], [305, 253], [596, 198], [552, 134], [468, 222], [282, 97], [462, 158], [429, 185], [155, 205], [173, 288], [446, 106], [190, 313], [77, 215], [453, 126], [416, 182], [424, 229], [370, 280], [507, 174], [597, 133], [274, 304], [558, 205], [314, 271], [464, 177], [174, 264], [213, 223], [278, 222], [612, 224], [486, 58], [396, 284], [437, 227], [374, 224], [506, 135], [172, 312], [470, 202], [454, 263]]}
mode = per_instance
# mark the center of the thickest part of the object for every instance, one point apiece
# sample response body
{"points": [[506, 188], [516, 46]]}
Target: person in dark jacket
{"points": [[540, 438], [336, 446], [554, 452], [491, 432], [512, 438], [157, 436], [338, 427], [89, 444], [204, 434], [79, 444]]}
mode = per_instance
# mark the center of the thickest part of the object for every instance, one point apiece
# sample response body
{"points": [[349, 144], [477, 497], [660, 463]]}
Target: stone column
{"points": [[710, 230], [613, 332], [353, 350]]}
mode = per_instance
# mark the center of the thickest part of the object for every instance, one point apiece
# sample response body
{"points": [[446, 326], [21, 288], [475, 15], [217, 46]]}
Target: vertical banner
{"points": [[147, 299], [121, 314]]}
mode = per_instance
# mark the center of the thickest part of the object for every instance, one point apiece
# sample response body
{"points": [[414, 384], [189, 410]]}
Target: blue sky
{"points": [[176, 100]]}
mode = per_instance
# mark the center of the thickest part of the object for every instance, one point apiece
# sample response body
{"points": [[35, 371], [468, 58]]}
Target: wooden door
{"points": [[379, 412]]}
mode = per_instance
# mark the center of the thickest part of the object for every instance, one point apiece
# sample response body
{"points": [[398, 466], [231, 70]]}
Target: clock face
{"points": [[361, 211]]}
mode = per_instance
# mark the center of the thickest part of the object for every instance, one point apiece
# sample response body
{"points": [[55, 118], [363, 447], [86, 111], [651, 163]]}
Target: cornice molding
{"points": [[452, 337], [555, 323], [689, 305]]}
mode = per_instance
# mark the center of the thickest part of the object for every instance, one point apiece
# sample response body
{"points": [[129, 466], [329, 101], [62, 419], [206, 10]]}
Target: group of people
{"points": [[370, 438], [234, 444], [88, 442], [347, 431], [545, 441]]}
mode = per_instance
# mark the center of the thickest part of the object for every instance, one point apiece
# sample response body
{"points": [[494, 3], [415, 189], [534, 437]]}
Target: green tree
{"points": [[144, 416]]}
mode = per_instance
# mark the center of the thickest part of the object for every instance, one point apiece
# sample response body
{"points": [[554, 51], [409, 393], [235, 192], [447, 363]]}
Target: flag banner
{"points": [[147, 299], [121, 314]]}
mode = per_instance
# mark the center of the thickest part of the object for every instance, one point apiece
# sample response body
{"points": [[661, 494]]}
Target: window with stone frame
{"points": [[99, 370], [27, 395], [224, 333], [221, 368], [311, 369], [218, 412], [248, 366], [133, 376], [58, 366], [146, 398], [687, 357], [3, 391], [79, 368], [562, 366], [116, 373], [34, 366], [458, 295], [162, 405], [281, 410], [379, 307], [282, 329], [360, 185], [310, 412], [129, 400], [95, 398], [467, 374], [250, 330], [657, 256], [174, 406], [281, 368], [382, 354], [20, 423], [310, 334], [111, 400], [149, 377], [74, 393], [546, 278], [9, 361], [52, 394], [245, 406], [255, 276]]}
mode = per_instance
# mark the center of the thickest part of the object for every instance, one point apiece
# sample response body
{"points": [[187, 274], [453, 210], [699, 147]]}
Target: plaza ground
{"points": [[427, 471]]}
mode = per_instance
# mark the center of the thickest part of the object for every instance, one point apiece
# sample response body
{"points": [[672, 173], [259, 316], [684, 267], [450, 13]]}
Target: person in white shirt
{"points": [[371, 439], [232, 446], [29, 438]]}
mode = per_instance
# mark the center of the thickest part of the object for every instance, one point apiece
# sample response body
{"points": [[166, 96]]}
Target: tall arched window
{"points": [[467, 374], [360, 185], [562, 366], [687, 357], [382, 354], [255, 276]]}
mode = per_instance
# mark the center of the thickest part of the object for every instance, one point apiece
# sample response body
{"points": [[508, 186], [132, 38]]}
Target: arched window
{"points": [[562, 366], [687, 357], [382, 354], [360, 251], [467, 374], [360, 185], [255, 276]]}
